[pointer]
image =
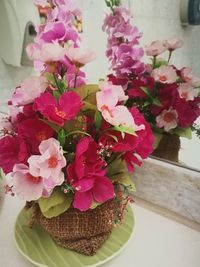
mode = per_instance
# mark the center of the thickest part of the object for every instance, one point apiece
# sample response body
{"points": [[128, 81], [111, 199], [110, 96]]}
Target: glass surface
{"points": [[165, 24]]}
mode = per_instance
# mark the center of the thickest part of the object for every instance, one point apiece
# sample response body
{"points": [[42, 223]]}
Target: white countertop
{"points": [[156, 242]]}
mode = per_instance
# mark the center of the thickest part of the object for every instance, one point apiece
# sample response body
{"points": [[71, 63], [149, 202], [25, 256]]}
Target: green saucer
{"points": [[38, 247]]}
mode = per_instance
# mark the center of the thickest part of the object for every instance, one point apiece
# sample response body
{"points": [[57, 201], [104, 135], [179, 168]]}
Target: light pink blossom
{"points": [[109, 95], [187, 91], [42, 3], [187, 76], [50, 163], [167, 119], [121, 116], [78, 57], [25, 185], [29, 90], [165, 74], [47, 52], [173, 44], [155, 48]]}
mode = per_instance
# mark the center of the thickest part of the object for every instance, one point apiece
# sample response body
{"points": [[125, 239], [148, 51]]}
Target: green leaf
{"points": [[88, 106], [157, 102], [2, 175], [56, 204], [184, 132], [98, 120], [88, 93], [127, 181], [158, 137], [145, 90], [117, 172], [62, 137], [55, 127], [95, 205], [56, 94], [125, 129]]}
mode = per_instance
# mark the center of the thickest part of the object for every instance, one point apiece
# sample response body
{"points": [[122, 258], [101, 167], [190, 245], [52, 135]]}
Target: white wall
{"points": [[160, 19]]}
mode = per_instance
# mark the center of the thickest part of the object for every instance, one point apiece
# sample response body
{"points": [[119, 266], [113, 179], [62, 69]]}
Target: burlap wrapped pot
{"points": [[83, 232], [168, 147]]}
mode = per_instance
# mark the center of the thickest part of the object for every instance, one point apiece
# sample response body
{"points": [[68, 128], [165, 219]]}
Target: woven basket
{"points": [[83, 232], [168, 147]]}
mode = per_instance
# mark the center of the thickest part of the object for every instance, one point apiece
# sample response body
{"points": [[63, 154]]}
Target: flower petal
{"points": [[83, 201], [103, 189]]}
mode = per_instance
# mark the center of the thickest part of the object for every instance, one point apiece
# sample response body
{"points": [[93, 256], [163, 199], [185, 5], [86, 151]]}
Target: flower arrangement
{"points": [[67, 144], [167, 96]]}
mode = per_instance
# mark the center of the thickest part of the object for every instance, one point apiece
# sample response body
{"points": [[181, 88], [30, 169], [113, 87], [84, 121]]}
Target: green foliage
{"points": [[125, 129], [117, 172], [158, 137], [151, 99], [88, 93], [98, 120], [62, 137], [112, 3], [183, 132], [56, 204], [55, 127]]}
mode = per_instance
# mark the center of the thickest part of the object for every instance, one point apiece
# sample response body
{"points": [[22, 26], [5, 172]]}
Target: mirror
{"points": [[157, 20]]}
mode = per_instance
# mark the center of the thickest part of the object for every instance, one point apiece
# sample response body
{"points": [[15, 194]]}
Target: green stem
{"points": [[115, 158], [77, 132], [154, 62], [170, 54], [56, 82]]}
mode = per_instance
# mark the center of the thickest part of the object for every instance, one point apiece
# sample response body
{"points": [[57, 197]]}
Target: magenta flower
{"points": [[87, 176], [34, 131], [13, 150], [56, 32], [65, 109]]}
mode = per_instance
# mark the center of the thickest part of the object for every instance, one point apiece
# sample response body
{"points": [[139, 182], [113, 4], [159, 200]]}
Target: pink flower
{"points": [[57, 32], [49, 164], [65, 109], [13, 150], [25, 185], [48, 52], [187, 76], [34, 131], [42, 3], [29, 89], [78, 57], [87, 176], [173, 44], [109, 95], [165, 74], [107, 100], [167, 119], [155, 48], [120, 116], [187, 91]]}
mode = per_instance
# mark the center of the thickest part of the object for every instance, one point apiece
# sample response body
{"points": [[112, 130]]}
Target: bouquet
{"points": [[168, 96], [68, 146]]}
